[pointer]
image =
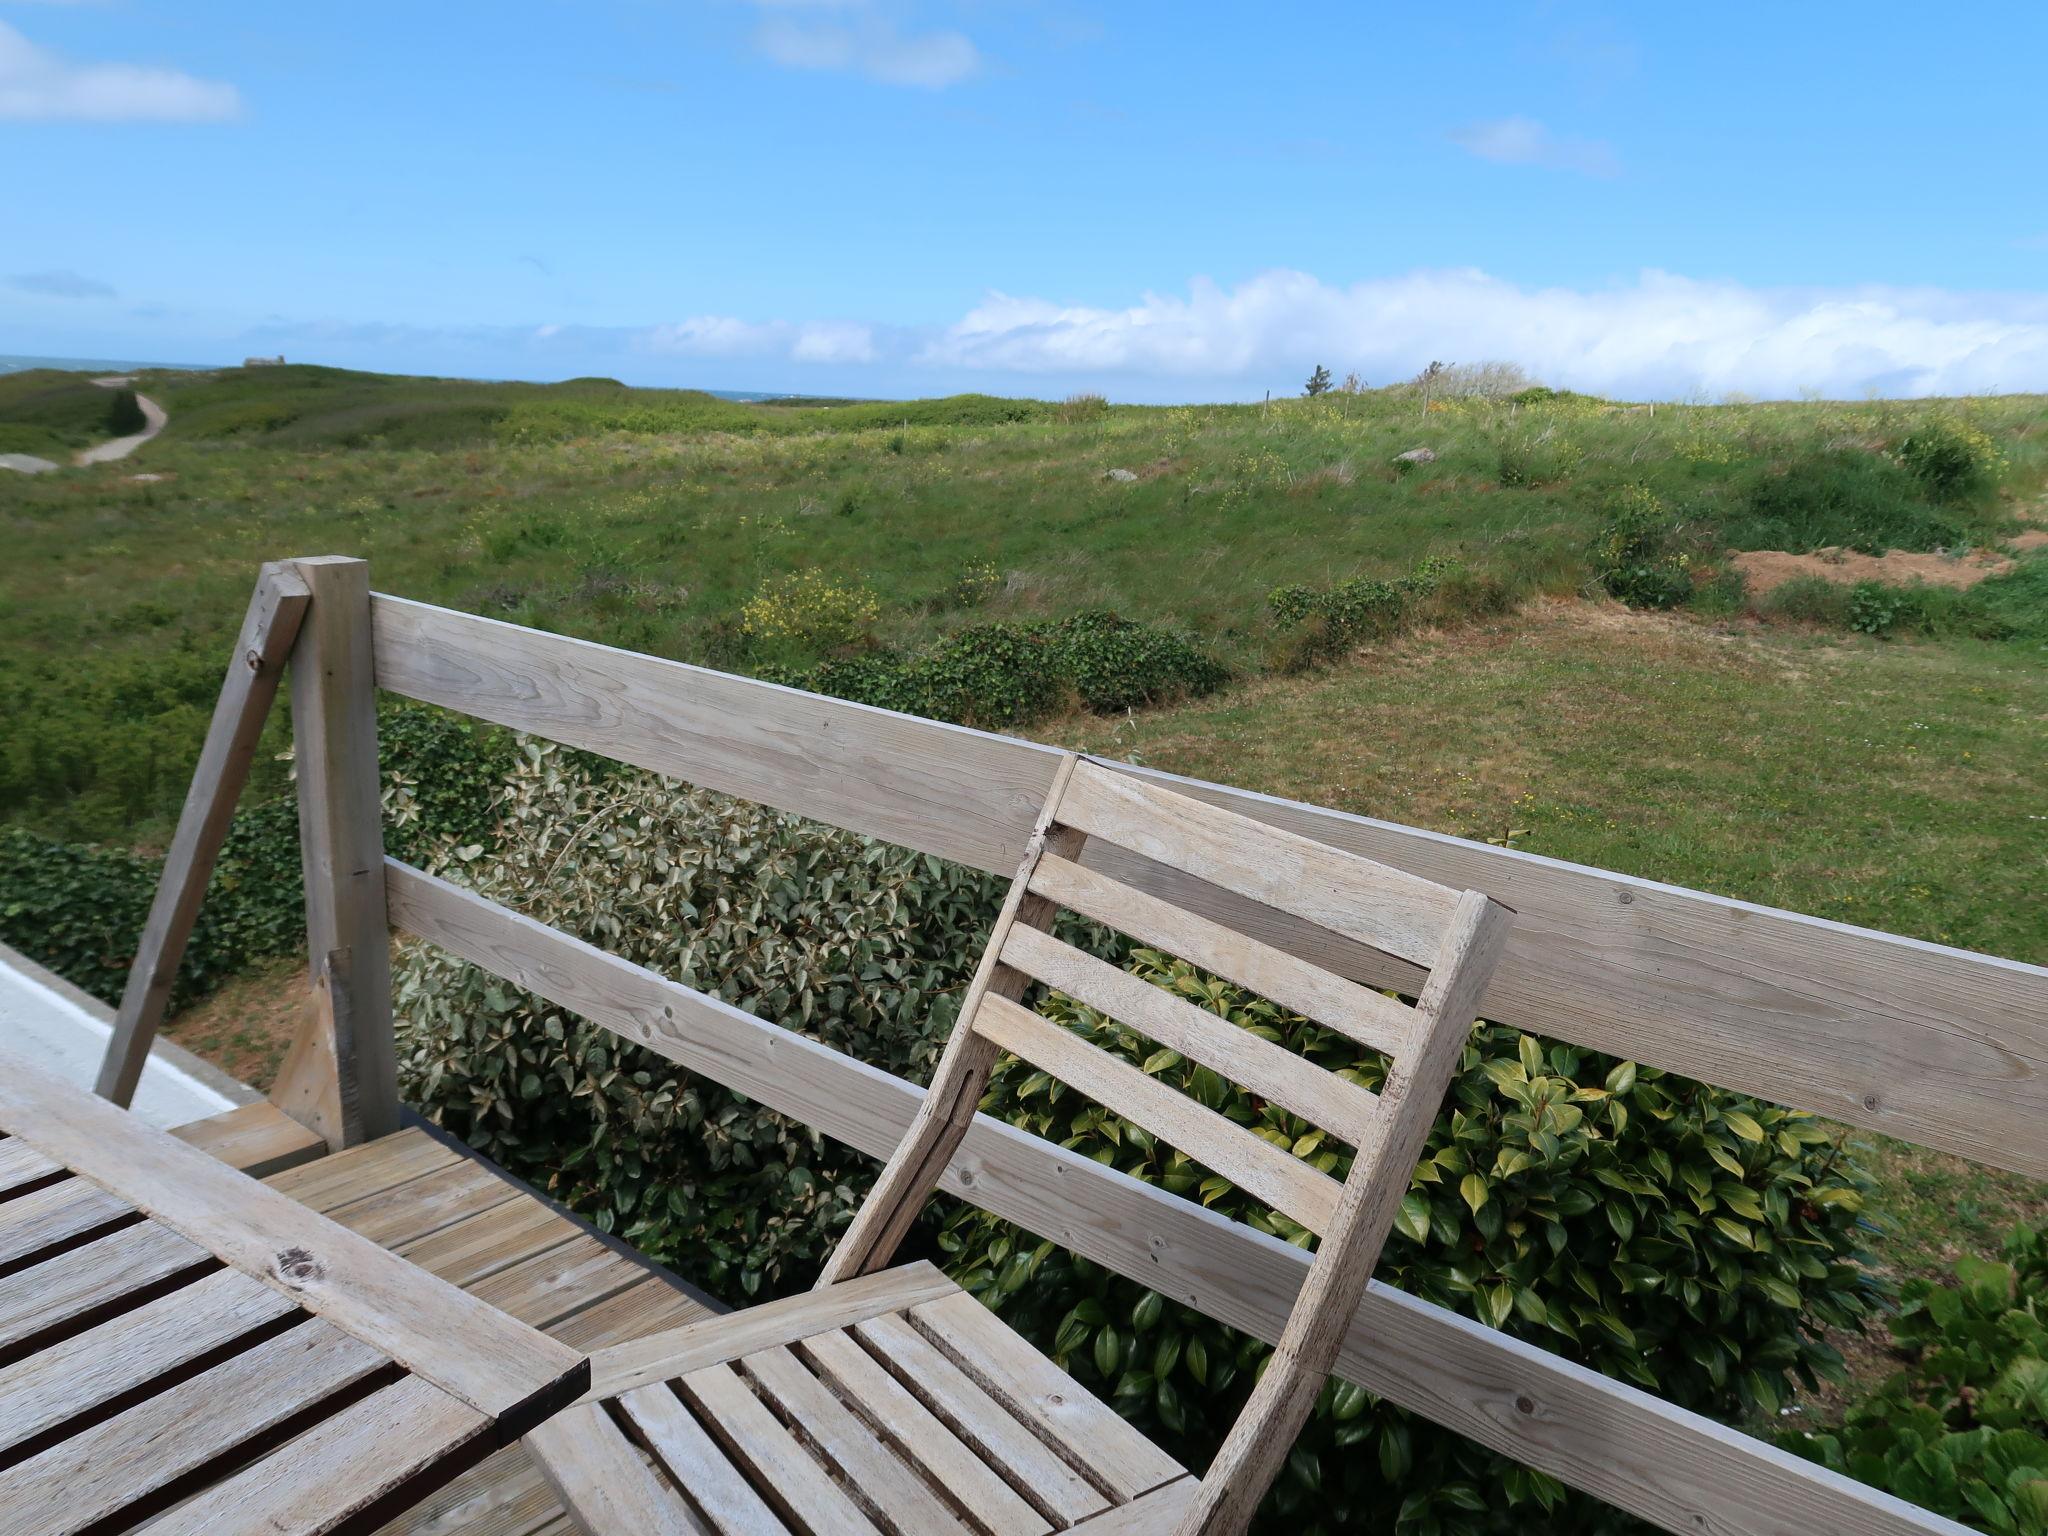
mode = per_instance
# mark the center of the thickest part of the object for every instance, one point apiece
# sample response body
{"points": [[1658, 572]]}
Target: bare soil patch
{"points": [[246, 1027], [1765, 570]]}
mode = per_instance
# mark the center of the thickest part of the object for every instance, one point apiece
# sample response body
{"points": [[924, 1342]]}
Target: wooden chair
{"points": [[890, 1401]]}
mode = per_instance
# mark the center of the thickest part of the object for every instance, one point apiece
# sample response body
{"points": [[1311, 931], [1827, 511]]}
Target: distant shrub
{"points": [[1083, 406], [976, 584], [1838, 498], [1807, 600], [124, 414], [1963, 1430], [1319, 623], [1000, 675], [812, 611], [1637, 554], [1537, 458], [1950, 458]]}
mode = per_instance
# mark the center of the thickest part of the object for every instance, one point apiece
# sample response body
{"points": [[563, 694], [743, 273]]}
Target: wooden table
{"points": [[184, 1348]]}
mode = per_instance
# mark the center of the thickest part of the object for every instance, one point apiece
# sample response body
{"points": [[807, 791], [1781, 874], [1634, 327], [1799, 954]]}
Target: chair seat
{"points": [[891, 1404]]}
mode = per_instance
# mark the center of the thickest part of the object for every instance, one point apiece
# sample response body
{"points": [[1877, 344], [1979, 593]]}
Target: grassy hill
{"points": [[876, 547], [47, 412]]}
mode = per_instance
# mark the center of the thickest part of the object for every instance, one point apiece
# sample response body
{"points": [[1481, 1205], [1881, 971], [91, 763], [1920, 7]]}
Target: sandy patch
{"points": [[2033, 538], [1764, 570]]}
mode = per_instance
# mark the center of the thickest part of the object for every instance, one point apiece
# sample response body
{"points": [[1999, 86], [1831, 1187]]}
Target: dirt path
{"points": [[120, 447]]}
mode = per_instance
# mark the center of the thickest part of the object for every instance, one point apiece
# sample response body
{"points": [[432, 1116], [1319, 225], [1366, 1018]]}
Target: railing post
{"points": [[340, 1078]]}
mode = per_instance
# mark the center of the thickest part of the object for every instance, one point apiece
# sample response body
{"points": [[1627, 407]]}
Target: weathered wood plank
{"points": [[82, 1280], [603, 1482], [1371, 1018], [22, 1166], [345, 1465], [1373, 904], [679, 1351], [1674, 1468], [1254, 1164], [254, 670], [59, 1383], [341, 1076], [53, 1215], [913, 1428], [1271, 1071], [1802, 1011], [259, 1138], [807, 1497], [695, 1462], [1043, 1395], [427, 1325], [104, 1469], [965, 1408]]}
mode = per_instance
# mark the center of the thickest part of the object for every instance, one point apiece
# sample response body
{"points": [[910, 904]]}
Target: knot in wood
{"points": [[296, 1266]]}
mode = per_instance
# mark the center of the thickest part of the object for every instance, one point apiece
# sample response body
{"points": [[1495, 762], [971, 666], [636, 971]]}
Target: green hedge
{"points": [[1007, 674], [1963, 1430], [78, 908]]}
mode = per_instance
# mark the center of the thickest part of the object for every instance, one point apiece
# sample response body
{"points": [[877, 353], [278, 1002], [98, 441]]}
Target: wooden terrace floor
{"points": [[437, 1204]]}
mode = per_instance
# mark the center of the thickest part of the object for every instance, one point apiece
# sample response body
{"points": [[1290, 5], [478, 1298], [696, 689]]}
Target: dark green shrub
{"points": [[861, 945], [1686, 1239], [1839, 498], [998, 675], [1321, 624], [1953, 460], [1638, 554], [1807, 600], [124, 414], [1963, 1430]]}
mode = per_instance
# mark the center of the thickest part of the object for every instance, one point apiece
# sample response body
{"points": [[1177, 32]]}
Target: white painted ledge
{"points": [[63, 1029]]}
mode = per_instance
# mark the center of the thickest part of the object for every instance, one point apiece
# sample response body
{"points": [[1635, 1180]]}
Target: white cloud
{"points": [[863, 42], [724, 336], [1524, 141], [1662, 336], [60, 284], [38, 85]]}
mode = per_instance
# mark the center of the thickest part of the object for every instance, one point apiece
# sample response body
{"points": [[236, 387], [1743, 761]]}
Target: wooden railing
{"points": [[1935, 1045]]}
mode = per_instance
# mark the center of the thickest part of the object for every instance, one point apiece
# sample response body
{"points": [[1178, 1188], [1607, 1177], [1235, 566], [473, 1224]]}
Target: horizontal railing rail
{"points": [[1638, 1452], [1939, 1046]]}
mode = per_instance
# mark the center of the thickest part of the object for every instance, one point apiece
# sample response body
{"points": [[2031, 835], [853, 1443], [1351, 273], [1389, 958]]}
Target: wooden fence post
{"points": [[266, 639], [340, 1078]]}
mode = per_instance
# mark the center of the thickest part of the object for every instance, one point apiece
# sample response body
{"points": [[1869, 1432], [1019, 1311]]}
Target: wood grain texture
{"points": [[1255, 1165], [259, 1138], [693, 1461], [664, 1356], [1271, 1071], [1367, 902], [1814, 1014], [255, 668], [341, 844], [83, 1279], [1371, 1018], [806, 1496], [346, 1464], [602, 1481], [425, 1324], [1673, 1468]]}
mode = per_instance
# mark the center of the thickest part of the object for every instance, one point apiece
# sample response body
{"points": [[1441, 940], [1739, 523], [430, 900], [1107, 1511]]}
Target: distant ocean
{"points": [[11, 363], [16, 363]]}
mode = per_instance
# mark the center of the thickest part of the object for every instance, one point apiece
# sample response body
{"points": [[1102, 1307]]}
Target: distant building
{"points": [[264, 362]]}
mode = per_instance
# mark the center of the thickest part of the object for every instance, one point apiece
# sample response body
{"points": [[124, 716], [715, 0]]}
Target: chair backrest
{"points": [[1455, 937]]}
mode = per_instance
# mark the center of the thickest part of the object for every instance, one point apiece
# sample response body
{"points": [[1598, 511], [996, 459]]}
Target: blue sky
{"points": [[1157, 201]]}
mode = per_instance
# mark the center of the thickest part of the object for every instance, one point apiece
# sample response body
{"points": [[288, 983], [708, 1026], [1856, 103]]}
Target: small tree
{"points": [[124, 415], [1318, 382]]}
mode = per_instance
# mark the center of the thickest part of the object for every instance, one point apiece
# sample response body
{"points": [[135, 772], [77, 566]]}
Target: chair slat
{"points": [[1371, 1018], [1041, 1394], [1268, 1070], [695, 1462], [919, 1435], [603, 1482], [888, 1484], [813, 1503], [1253, 1164], [1376, 904]]}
